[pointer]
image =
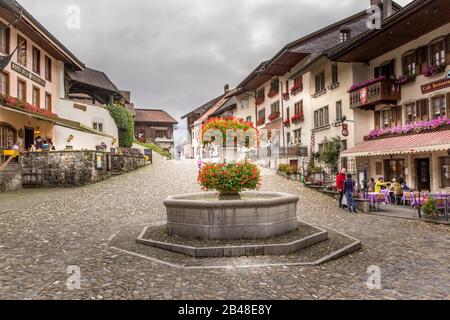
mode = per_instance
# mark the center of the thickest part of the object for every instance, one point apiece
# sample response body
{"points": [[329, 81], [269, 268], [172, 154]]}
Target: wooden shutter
{"points": [[421, 59], [448, 105], [422, 110], [8, 41], [447, 49], [377, 117]]}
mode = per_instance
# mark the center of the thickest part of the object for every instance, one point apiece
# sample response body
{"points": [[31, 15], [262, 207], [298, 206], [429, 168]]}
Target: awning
{"points": [[422, 142]]}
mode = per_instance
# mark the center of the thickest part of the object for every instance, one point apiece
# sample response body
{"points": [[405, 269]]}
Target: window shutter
{"points": [[447, 49], [422, 59], [377, 116], [448, 105], [8, 41], [422, 110]]}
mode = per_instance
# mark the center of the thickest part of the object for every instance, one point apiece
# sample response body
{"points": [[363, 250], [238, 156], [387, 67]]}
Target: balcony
{"points": [[293, 152], [374, 92]]}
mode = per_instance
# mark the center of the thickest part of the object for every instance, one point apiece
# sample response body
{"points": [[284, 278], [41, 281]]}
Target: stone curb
{"points": [[237, 251]]}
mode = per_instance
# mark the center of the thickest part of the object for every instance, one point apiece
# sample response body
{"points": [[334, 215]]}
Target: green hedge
{"points": [[125, 124], [155, 148]]}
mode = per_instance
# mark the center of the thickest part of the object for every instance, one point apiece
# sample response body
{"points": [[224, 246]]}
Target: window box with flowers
{"points": [[14, 103], [287, 123], [296, 88], [286, 96], [298, 118], [274, 116], [260, 122], [259, 101], [273, 93], [403, 80], [434, 70]]}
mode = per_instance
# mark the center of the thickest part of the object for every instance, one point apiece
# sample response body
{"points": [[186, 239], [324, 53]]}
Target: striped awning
{"points": [[422, 142]]}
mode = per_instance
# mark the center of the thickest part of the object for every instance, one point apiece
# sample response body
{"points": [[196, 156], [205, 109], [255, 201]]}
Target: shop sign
{"points": [[345, 131], [437, 85], [24, 72]]}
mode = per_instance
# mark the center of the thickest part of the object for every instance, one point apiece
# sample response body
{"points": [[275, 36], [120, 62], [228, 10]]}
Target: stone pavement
{"points": [[42, 232]]}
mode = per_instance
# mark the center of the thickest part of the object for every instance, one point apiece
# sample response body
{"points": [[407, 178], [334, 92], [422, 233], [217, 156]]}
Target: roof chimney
{"points": [[226, 88]]}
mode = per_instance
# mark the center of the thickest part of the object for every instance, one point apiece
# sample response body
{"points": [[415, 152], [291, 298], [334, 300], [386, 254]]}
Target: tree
{"points": [[331, 153]]}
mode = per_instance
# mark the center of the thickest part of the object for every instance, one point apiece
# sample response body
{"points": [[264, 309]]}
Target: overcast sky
{"points": [[178, 54]]}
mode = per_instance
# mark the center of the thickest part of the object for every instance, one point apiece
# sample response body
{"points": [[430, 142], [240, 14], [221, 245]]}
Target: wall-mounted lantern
{"points": [[70, 138]]}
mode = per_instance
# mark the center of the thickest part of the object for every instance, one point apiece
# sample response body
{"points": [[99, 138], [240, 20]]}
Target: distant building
{"points": [[156, 126]]}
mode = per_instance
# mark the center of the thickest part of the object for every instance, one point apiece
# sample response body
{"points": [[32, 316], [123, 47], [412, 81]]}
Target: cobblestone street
{"points": [[42, 232]]}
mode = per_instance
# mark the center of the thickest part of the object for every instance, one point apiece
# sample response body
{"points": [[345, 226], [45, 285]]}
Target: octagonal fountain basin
{"points": [[257, 215]]}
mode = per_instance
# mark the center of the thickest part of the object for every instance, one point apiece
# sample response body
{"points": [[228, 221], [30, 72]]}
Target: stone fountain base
{"points": [[258, 215]]}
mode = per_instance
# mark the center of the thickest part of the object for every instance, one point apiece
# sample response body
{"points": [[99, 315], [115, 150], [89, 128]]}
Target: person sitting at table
{"points": [[380, 185], [371, 185], [396, 191], [45, 145], [33, 148]]}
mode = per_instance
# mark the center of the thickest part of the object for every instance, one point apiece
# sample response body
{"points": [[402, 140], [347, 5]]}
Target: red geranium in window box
{"points": [[273, 92], [259, 101], [274, 116], [296, 88], [260, 122], [287, 123], [298, 118]]}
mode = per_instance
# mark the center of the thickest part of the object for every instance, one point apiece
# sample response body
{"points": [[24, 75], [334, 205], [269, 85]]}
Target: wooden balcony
{"points": [[378, 92], [293, 152]]}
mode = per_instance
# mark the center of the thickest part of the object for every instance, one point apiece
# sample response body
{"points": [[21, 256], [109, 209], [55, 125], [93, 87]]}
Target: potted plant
{"points": [[229, 179], [430, 209], [274, 116]]}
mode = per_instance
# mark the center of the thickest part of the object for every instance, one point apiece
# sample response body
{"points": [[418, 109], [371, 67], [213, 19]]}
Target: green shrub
{"points": [[430, 208], [125, 124]]}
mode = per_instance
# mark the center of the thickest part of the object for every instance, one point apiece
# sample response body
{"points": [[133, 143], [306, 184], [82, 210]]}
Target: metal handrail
{"points": [[5, 164]]}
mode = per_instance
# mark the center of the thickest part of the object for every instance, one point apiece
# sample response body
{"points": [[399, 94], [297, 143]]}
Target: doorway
{"points": [[423, 174], [29, 138]]}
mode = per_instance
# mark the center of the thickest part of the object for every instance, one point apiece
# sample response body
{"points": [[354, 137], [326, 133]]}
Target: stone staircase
{"points": [[10, 177]]}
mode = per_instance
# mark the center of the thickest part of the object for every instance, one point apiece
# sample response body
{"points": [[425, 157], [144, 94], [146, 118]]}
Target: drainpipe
{"points": [[282, 112]]}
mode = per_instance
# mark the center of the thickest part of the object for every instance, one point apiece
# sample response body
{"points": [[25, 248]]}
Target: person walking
{"points": [[349, 189], [340, 179]]}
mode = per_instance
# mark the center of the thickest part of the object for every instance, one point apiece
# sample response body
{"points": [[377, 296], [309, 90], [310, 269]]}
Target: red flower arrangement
{"points": [[287, 123], [259, 101], [13, 102], [260, 122], [286, 96], [226, 124], [229, 178], [272, 93], [296, 88], [274, 116], [298, 118]]}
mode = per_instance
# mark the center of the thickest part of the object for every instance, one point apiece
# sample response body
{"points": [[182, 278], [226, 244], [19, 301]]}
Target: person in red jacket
{"points": [[340, 180]]}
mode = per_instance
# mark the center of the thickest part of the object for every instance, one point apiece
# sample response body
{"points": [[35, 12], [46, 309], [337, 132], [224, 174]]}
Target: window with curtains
{"points": [[7, 136], [437, 51], [410, 112], [409, 65], [4, 83], [298, 136], [439, 107], [386, 121], [445, 172], [4, 39]]}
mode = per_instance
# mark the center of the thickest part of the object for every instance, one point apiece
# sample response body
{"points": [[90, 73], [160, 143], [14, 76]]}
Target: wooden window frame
{"points": [[24, 82], [7, 32], [320, 82], [20, 49], [334, 73], [36, 67], [298, 108], [440, 52], [48, 64], [442, 106], [410, 107], [409, 64], [33, 90], [50, 106], [8, 84], [423, 110], [339, 112], [441, 173]]}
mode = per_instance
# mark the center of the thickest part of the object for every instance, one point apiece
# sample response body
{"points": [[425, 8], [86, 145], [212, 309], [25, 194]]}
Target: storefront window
{"points": [[393, 169], [445, 172], [7, 137]]}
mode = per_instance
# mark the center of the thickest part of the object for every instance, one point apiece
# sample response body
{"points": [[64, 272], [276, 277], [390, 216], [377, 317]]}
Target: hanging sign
{"points": [[345, 131], [363, 95], [24, 72], [437, 85]]}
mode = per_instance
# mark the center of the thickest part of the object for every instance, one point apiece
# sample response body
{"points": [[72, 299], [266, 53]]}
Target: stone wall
{"points": [[126, 163], [64, 168]]}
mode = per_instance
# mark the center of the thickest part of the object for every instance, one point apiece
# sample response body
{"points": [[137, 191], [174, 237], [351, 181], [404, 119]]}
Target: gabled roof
{"points": [[414, 20], [153, 115], [94, 78], [225, 98], [230, 104], [203, 108], [11, 10], [311, 45]]}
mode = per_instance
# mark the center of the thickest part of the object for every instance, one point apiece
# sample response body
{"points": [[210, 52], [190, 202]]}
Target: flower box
{"points": [[13, 102], [433, 70], [260, 122], [286, 96], [365, 83], [259, 101], [272, 93], [406, 79], [274, 116], [298, 118], [296, 89], [287, 123]]}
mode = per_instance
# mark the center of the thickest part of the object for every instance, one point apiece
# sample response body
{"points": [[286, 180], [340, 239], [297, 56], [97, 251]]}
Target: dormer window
{"points": [[345, 35]]}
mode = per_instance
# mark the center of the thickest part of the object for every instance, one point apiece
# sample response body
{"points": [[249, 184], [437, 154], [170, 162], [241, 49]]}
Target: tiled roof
{"points": [[93, 78], [149, 115]]}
